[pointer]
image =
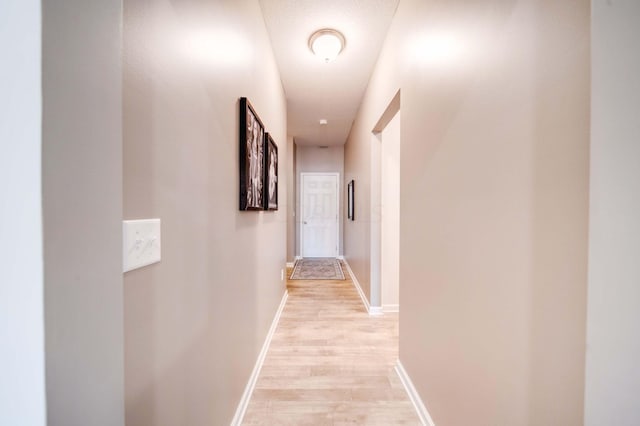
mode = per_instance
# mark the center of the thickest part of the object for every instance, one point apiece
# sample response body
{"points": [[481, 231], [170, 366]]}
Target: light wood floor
{"points": [[330, 363]]}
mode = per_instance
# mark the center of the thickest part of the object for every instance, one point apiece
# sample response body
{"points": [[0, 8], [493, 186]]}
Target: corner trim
{"points": [[376, 310], [424, 415], [295, 259], [251, 384], [372, 310]]}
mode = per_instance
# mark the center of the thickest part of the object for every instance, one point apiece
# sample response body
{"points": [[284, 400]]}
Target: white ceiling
{"points": [[316, 90]]}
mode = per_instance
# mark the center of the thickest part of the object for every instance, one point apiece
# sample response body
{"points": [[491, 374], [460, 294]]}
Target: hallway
{"points": [[330, 363], [519, 240]]}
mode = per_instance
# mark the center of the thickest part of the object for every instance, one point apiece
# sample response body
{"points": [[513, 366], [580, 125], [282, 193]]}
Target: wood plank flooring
{"points": [[330, 363]]}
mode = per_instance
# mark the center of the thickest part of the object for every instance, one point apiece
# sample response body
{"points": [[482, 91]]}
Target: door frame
{"points": [[301, 237], [377, 306]]}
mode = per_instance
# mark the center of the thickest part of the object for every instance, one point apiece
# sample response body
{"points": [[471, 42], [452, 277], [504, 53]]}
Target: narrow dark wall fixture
{"points": [[270, 173], [350, 201]]}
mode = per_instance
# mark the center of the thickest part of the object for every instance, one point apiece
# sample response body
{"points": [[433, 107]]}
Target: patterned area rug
{"points": [[317, 269]]}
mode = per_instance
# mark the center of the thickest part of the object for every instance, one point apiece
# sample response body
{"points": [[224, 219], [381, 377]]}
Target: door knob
{"points": [[305, 222]]}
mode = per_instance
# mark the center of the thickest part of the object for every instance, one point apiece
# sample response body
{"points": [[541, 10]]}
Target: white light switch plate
{"points": [[141, 240]]}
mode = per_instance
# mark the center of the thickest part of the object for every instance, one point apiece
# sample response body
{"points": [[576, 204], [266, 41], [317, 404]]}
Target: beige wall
{"points": [[357, 233], [312, 159], [494, 203], [82, 211], [22, 357], [291, 197], [613, 372], [195, 322]]}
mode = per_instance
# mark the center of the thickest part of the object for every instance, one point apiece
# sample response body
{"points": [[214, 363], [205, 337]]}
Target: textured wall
{"points": [[195, 322], [494, 204]]}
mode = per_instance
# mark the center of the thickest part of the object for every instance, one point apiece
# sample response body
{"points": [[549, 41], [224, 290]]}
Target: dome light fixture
{"points": [[327, 43]]}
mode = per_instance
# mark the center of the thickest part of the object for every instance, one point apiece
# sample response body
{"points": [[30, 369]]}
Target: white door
{"points": [[319, 215]]}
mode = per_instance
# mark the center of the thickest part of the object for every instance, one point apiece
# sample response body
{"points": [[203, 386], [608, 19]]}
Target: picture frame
{"points": [[270, 173], [350, 201], [251, 153]]}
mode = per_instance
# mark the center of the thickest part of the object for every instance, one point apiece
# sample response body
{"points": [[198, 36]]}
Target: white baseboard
{"points": [[340, 257], [390, 308], [356, 284], [248, 390], [424, 415], [372, 310]]}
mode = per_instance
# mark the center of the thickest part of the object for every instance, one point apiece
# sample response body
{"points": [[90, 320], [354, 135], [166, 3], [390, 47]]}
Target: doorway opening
{"points": [[385, 210]]}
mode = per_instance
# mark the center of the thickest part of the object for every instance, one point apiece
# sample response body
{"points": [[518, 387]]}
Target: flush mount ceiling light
{"points": [[327, 43]]}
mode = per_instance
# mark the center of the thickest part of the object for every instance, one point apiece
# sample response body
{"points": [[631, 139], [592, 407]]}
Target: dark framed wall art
{"points": [[271, 173], [252, 161], [350, 212]]}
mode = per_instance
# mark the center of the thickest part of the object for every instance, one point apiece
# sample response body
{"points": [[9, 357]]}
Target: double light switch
{"points": [[142, 243]]}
